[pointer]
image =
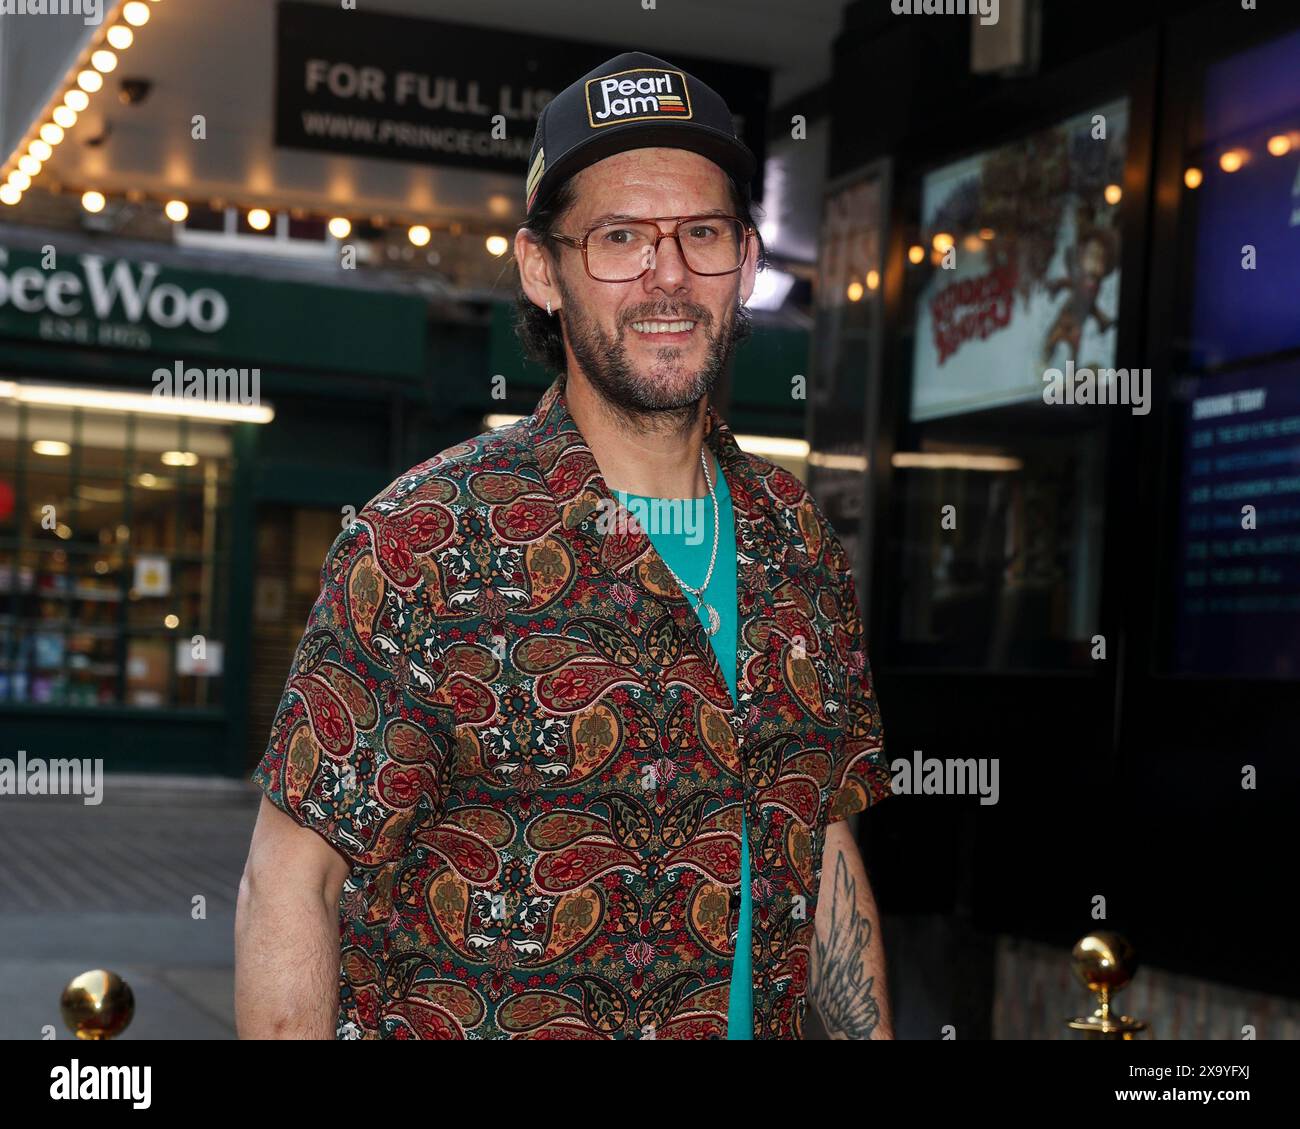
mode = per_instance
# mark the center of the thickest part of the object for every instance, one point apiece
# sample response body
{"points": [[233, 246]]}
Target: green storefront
{"points": [[157, 564], [137, 574]]}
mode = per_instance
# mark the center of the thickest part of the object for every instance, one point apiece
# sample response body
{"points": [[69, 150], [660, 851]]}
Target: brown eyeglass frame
{"points": [[573, 241]]}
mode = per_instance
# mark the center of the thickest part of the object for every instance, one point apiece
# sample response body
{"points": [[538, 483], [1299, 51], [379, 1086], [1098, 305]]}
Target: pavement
{"points": [[143, 884]]}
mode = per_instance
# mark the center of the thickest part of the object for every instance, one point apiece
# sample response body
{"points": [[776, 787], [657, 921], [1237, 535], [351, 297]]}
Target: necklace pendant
{"points": [[714, 620]]}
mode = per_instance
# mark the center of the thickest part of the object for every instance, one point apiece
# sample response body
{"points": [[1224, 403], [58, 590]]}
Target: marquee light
{"points": [[144, 403], [1232, 160], [954, 460], [94, 200], [833, 461], [103, 59], [769, 446], [773, 446]]}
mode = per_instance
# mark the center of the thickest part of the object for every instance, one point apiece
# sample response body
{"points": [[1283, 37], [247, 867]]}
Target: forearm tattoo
{"points": [[838, 984]]}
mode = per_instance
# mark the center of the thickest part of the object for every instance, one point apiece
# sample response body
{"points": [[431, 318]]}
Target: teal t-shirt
{"points": [[681, 531]]}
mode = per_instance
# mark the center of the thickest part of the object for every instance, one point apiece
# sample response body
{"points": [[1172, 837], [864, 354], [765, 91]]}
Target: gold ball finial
{"points": [[97, 1004], [1104, 960]]}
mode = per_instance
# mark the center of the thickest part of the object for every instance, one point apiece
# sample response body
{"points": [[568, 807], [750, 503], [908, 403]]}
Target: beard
{"points": [[670, 387]]}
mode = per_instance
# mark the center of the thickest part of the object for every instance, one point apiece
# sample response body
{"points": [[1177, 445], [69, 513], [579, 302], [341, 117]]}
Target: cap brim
{"points": [[721, 148]]}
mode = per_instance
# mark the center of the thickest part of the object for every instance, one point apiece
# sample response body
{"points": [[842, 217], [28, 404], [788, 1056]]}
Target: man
{"points": [[527, 746]]}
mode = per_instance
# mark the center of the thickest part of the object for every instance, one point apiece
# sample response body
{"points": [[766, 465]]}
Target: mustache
{"points": [[695, 314]]}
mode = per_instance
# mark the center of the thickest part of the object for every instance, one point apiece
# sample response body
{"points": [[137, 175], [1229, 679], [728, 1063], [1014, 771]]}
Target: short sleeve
{"points": [[860, 776], [355, 752]]}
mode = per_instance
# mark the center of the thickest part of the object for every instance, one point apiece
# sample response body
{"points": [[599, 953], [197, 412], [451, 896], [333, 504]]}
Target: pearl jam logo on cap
{"points": [[643, 94]]}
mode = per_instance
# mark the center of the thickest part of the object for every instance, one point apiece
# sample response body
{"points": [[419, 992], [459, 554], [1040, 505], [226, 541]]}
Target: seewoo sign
{"points": [[94, 300], [102, 301]]}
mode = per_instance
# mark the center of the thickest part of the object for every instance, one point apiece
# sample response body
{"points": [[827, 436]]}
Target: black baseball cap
{"points": [[632, 101]]}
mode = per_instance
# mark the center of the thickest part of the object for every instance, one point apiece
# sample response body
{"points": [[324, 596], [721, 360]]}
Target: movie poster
{"points": [[1030, 234]]}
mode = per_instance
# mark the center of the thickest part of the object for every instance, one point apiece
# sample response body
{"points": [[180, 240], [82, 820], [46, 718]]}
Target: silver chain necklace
{"points": [[714, 621]]}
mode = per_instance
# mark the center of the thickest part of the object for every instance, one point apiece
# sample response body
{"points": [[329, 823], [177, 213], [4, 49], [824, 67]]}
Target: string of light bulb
{"points": [[419, 232], [86, 80]]}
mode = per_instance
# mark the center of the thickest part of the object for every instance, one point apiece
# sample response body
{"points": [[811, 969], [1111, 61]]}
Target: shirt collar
{"points": [[569, 466], [577, 491]]}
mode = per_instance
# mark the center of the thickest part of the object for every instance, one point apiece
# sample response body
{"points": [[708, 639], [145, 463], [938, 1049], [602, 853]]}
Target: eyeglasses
{"points": [[623, 250]]}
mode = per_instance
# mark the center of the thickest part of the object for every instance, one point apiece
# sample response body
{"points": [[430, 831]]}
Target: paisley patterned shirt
{"points": [[505, 714]]}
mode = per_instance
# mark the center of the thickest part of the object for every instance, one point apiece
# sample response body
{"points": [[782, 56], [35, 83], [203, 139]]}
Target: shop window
{"points": [[1233, 604], [113, 559], [844, 390], [995, 554], [292, 544]]}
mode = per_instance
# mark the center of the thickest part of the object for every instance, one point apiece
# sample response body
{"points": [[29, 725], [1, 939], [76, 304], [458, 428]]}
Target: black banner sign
{"points": [[449, 94]]}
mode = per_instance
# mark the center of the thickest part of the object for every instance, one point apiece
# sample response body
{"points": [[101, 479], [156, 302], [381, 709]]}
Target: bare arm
{"points": [[846, 981], [287, 932]]}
